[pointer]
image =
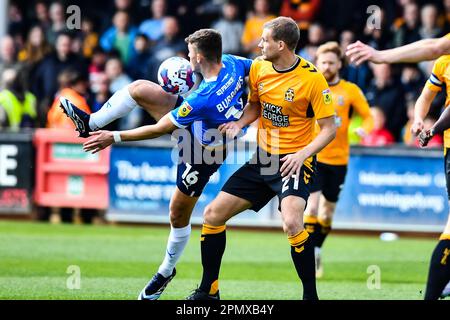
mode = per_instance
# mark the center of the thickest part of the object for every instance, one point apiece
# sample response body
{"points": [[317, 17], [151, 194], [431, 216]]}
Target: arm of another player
{"points": [[293, 162], [442, 124], [421, 109], [251, 112], [427, 49], [103, 138]]}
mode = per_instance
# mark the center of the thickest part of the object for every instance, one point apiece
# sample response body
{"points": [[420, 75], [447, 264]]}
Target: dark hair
{"points": [[284, 29], [208, 43]]}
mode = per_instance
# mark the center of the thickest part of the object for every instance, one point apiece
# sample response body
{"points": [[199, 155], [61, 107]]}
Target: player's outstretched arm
{"points": [[293, 162], [427, 49], [103, 138], [251, 112], [421, 109]]}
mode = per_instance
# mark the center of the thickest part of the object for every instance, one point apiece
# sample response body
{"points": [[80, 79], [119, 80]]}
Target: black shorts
{"points": [[330, 180], [447, 171], [196, 166], [259, 180]]}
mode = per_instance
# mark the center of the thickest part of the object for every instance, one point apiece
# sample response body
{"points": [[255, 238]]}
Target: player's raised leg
{"points": [[141, 93], [213, 241], [302, 248], [181, 207]]}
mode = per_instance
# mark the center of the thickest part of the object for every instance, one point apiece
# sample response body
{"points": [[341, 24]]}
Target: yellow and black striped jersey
{"points": [[439, 79]]}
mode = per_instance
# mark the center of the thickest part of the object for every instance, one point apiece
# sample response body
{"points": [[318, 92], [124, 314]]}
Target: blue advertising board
{"points": [[142, 180], [397, 192]]}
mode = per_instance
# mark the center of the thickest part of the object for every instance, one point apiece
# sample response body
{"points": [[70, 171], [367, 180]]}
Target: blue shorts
{"points": [[196, 167]]}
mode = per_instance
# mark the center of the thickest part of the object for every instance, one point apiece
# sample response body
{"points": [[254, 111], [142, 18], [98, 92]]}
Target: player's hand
{"points": [[425, 137], [417, 127], [292, 163], [99, 141], [230, 129], [359, 52]]}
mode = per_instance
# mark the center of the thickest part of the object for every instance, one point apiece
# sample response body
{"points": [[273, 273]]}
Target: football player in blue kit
{"points": [[216, 101]]}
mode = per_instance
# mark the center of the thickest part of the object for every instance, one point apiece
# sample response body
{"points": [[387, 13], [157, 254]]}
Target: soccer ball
{"points": [[176, 76]]}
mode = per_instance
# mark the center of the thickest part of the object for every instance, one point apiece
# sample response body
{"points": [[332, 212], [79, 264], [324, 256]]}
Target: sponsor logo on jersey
{"points": [[289, 95], [275, 114], [326, 96], [184, 110]]}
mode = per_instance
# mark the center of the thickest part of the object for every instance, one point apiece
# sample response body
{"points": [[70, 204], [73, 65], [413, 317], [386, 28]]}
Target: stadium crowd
{"points": [[42, 56]]}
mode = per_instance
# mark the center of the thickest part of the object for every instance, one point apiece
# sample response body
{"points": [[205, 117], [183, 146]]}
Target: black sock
{"points": [[302, 253], [213, 241], [323, 232], [439, 272], [314, 229]]}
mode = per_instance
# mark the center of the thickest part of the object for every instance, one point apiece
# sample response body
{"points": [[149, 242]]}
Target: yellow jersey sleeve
{"points": [[321, 100], [359, 102], [436, 80], [253, 80]]}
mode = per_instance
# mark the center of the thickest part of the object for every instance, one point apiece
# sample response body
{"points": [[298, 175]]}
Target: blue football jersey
{"points": [[215, 101]]}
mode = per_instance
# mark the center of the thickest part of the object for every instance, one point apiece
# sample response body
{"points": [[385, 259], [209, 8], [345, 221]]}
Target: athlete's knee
{"points": [[179, 215], [311, 211], [326, 213], [292, 225], [212, 215], [137, 89]]}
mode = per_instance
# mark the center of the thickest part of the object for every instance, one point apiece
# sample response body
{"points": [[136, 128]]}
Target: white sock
{"points": [[119, 105], [178, 239]]}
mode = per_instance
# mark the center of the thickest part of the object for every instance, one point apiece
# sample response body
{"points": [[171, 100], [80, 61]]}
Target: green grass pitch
{"points": [[116, 262]]}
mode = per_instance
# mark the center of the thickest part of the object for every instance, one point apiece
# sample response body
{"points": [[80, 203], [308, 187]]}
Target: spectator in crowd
{"points": [[73, 86], [412, 79], [360, 75], [139, 68], [116, 75], [16, 22], [58, 22], [230, 28], [153, 27], [253, 27], [100, 89], [429, 19], [386, 93], [316, 36], [170, 45], [408, 31], [118, 80], [42, 18], [120, 37], [88, 36], [18, 105], [303, 12], [379, 136], [45, 82], [36, 47], [98, 62], [7, 54]]}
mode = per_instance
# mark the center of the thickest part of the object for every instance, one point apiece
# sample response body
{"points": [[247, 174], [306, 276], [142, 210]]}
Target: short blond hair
{"points": [[330, 46]]}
